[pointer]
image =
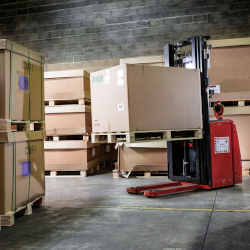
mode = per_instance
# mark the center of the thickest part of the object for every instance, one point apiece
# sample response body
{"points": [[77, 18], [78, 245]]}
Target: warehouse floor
{"points": [[96, 213]]}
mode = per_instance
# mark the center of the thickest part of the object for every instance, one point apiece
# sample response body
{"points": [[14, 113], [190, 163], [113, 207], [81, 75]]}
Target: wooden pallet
{"points": [[8, 219], [21, 126], [132, 137], [82, 101], [76, 137], [93, 167], [146, 174], [69, 108], [67, 144], [65, 173]]}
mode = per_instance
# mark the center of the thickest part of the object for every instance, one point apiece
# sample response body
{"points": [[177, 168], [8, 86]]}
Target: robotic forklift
{"points": [[208, 163]]}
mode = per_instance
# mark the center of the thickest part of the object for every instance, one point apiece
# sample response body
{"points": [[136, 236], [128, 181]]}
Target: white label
{"points": [[215, 88], [221, 145], [120, 107]]}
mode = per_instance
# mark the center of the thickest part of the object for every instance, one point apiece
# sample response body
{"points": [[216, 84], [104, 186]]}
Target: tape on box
{"points": [[26, 168], [23, 82]]}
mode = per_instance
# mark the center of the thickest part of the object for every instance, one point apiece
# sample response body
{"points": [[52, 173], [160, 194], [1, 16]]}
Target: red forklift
{"points": [[208, 163]]}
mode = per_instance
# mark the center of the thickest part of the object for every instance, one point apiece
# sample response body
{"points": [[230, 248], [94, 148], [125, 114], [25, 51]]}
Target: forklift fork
{"points": [[153, 191]]}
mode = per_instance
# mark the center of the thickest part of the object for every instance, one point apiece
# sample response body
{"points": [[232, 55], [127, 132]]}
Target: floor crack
{"points": [[209, 222]]}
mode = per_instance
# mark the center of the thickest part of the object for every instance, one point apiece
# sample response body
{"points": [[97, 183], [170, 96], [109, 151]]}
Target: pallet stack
{"points": [[68, 125], [22, 182], [133, 104], [234, 82]]}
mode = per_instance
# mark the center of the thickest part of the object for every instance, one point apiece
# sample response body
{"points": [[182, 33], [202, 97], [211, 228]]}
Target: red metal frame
{"points": [[163, 188]]}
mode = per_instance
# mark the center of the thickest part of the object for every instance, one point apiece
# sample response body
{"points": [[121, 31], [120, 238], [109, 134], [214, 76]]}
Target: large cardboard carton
{"points": [[21, 83], [143, 159], [145, 98], [21, 174], [230, 68], [72, 156], [242, 123], [67, 85], [68, 124]]}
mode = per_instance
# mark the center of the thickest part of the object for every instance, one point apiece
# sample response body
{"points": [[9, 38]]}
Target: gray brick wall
{"points": [[79, 30]]}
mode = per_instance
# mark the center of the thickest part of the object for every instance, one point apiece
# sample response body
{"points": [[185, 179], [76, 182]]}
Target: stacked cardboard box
{"points": [[147, 157], [134, 102], [229, 69], [21, 130], [68, 124], [136, 98]]}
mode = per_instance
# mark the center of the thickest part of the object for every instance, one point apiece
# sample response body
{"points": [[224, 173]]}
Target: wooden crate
{"points": [[21, 174], [57, 85], [233, 76], [21, 83]]}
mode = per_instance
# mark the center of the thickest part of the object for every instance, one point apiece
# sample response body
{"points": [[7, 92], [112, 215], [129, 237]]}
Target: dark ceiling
{"points": [[79, 30]]}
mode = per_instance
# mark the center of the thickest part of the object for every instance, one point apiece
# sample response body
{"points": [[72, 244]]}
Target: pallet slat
{"points": [[132, 137], [16, 126], [71, 108]]}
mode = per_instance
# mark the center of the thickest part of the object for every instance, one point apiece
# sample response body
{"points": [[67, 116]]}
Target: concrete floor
{"points": [[96, 213]]}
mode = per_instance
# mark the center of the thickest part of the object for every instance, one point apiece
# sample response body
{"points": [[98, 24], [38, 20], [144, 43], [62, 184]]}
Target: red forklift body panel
{"points": [[225, 154]]}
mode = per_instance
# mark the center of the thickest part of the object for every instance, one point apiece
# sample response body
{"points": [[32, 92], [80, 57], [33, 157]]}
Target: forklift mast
{"points": [[190, 160]]}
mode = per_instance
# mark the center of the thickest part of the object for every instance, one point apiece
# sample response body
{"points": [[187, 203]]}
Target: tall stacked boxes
{"points": [[68, 123], [135, 100], [21, 129], [230, 70]]}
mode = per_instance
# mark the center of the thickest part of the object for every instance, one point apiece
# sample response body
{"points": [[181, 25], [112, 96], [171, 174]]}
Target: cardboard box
{"points": [[143, 159], [21, 174], [21, 83], [75, 158], [68, 124], [130, 98], [230, 68], [67, 85]]}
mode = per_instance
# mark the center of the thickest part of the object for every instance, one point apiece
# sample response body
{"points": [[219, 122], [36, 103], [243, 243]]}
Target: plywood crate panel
{"points": [[142, 98], [243, 128], [230, 68], [22, 162], [67, 85], [21, 83], [143, 159], [67, 123]]}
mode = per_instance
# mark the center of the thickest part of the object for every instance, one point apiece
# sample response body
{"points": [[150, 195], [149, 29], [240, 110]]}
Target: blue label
{"points": [[23, 83], [26, 168]]}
